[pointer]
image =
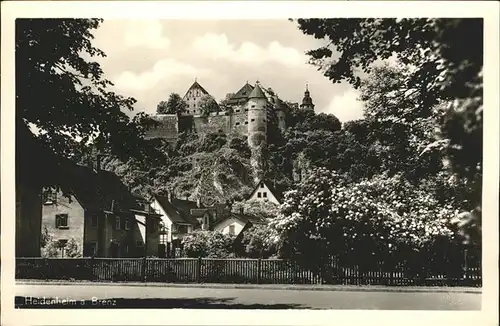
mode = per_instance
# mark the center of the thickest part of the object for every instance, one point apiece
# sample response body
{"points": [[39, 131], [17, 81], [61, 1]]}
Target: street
{"points": [[104, 296]]}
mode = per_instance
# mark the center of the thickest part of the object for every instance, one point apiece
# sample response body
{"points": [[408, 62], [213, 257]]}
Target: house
{"points": [[263, 191], [99, 212], [234, 224], [181, 217]]}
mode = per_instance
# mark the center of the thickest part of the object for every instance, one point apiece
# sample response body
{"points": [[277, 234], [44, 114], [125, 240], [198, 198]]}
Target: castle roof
{"points": [[196, 85], [257, 92], [242, 94]]}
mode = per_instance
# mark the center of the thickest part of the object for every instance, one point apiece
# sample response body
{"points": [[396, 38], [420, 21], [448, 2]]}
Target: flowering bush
{"points": [[208, 244], [258, 242], [328, 215]]}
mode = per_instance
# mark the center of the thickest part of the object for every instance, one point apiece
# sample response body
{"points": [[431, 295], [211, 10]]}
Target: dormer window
{"points": [[262, 185]]}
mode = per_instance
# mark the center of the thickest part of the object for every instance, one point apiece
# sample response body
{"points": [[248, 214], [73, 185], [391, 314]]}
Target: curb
{"points": [[344, 288]]}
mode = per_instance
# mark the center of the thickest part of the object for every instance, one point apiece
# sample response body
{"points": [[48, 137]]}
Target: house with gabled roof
{"points": [[181, 217], [234, 224], [98, 211], [264, 191]]}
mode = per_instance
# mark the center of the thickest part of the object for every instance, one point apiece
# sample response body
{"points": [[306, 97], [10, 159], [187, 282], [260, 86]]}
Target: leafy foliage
{"points": [[328, 214], [257, 242], [208, 244], [174, 105], [443, 60], [208, 105], [74, 104]]}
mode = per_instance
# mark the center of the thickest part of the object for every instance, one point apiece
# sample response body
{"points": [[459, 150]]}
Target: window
{"points": [[231, 230], [238, 110], [259, 195], [262, 185], [264, 120], [94, 220], [237, 123], [117, 223], [264, 194], [62, 221], [139, 244], [246, 110], [253, 106], [127, 224], [246, 122], [252, 120], [188, 110]]}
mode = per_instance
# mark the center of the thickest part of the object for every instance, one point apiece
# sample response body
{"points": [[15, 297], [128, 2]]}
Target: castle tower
{"points": [[257, 129], [193, 98], [307, 103]]}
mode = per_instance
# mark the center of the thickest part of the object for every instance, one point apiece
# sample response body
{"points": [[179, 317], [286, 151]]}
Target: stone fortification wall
{"points": [[167, 128]]}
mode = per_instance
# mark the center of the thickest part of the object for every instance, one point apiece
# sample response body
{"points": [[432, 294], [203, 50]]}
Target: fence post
{"points": [[91, 276], [144, 263], [259, 269], [198, 270]]}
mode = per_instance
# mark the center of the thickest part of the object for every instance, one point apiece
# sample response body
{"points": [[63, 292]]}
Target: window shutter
{"points": [[58, 221]]}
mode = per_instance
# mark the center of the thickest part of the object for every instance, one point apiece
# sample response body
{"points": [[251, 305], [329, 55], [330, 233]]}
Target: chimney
{"points": [[169, 196], [198, 202], [242, 210]]}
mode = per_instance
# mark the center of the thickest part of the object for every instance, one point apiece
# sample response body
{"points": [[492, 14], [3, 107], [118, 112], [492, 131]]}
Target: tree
{"points": [[208, 105], [360, 222], [256, 208], [207, 244], [445, 57], [63, 94], [72, 249], [223, 104], [257, 242], [174, 105]]}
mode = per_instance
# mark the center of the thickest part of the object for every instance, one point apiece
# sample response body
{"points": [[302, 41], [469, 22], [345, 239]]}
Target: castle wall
{"points": [[239, 122], [213, 123], [168, 128]]}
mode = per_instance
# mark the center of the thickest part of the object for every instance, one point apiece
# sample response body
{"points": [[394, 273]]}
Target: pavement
{"points": [[310, 287], [145, 295]]}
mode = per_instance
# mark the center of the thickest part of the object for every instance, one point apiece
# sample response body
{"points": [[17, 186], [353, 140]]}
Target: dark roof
{"points": [[98, 190], [278, 194], [257, 93], [179, 211], [242, 94], [196, 85]]}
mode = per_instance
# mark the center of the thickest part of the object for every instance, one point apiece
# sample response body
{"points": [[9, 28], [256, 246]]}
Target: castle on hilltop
{"points": [[249, 112]]}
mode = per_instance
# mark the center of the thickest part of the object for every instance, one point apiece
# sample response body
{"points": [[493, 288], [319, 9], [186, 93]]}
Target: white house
{"points": [[264, 192], [235, 223], [176, 217]]}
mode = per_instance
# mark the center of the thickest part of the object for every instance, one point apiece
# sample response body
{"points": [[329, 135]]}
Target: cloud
{"points": [[164, 71], [217, 46], [346, 106], [145, 33]]}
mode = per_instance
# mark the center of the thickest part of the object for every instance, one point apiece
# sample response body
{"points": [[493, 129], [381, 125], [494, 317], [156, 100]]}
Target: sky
{"points": [[150, 59]]}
